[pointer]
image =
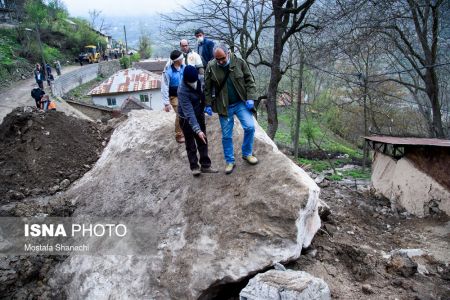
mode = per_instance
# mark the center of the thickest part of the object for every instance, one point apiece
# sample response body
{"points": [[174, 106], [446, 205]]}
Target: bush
{"points": [[51, 54], [125, 62]]}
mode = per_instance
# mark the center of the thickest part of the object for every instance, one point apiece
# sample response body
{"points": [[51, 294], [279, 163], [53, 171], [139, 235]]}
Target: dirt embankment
{"points": [[42, 153], [351, 251]]}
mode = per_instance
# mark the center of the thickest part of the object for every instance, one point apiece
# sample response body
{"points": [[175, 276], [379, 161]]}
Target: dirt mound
{"points": [[41, 153]]}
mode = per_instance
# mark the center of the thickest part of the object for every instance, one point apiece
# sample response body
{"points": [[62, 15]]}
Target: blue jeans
{"points": [[226, 123]]}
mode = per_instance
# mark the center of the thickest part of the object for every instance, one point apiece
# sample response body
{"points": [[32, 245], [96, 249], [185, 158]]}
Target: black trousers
{"points": [[194, 143]]}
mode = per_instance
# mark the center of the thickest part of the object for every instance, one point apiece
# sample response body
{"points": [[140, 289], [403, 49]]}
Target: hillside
{"points": [[62, 39]]}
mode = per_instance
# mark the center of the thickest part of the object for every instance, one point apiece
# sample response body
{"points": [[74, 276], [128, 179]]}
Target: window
{"points": [[111, 101], [144, 98]]}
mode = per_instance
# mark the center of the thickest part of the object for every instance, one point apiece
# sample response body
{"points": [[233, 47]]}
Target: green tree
{"points": [[145, 48], [36, 11]]}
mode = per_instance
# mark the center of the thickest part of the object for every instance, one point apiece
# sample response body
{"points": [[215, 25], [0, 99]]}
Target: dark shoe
{"points": [[195, 172], [208, 170], [229, 168], [250, 159], [179, 139]]}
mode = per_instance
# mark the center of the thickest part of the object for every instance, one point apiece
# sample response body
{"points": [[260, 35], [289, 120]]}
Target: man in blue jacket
{"points": [[191, 103], [204, 47], [171, 79]]}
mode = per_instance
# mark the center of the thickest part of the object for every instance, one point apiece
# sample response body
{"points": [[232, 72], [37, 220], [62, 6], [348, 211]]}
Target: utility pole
{"points": [[126, 43], [42, 50]]}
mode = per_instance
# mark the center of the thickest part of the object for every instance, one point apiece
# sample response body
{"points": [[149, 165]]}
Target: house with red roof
{"points": [[137, 84]]}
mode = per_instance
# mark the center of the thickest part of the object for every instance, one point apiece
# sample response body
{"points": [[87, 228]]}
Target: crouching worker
{"points": [[47, 104], [191, 103]]}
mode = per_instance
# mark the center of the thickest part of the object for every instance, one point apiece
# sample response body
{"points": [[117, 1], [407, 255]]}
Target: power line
{"points": [[336, 74], [412, 69]]}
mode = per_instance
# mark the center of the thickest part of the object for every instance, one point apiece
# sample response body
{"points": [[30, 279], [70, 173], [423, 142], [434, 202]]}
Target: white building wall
{"points": [[406, 186], [155, 99]]}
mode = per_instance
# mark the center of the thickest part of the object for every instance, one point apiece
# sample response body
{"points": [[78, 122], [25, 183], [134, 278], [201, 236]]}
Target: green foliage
{"points": [[357, 173], [37, 12], [51, 54], [145, 48], [315, 165], [335, 177], [6, 52], [125, 62]]}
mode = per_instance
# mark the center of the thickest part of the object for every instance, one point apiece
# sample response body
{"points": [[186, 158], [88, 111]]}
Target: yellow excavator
{"points": [[90, 55]]}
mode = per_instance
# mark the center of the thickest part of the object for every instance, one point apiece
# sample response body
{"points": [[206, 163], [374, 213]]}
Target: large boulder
{"points": [[285, 285], [209, 230]]}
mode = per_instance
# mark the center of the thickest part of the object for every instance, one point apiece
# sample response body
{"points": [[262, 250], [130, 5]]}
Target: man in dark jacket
{"points": [[192, 121], [37, 94], [39, 76], [204, 47], [230, 90]]}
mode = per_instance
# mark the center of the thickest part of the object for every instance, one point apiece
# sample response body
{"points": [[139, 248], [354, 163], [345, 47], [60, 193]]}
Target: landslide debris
{"points": [[42, 153]]}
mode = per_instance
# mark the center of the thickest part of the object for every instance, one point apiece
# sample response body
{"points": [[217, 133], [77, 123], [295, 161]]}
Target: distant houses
{"points": [[136, 87]]}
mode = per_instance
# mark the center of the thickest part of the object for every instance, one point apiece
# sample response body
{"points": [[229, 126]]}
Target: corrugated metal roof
{"points": [[156, 66], [409, 141], [128, 80]]}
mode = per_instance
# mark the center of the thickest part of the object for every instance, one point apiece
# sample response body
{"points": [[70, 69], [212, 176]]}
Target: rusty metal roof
{"points": [[128, 80], [406, 141], [156, 66]]}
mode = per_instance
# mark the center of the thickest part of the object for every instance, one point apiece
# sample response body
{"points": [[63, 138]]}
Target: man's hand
{"points": [[250, 104], [208, 110], [167, 107], [202, 136]]}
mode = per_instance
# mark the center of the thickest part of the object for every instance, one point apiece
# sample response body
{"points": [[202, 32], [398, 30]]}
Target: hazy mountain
{"points": [[150, 25]]}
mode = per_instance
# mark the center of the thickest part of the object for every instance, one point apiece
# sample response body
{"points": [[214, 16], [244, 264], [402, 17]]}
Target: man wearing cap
{"points": [[171, 79], [191, 101], [204, 46], [228, 77], [191, 58]]}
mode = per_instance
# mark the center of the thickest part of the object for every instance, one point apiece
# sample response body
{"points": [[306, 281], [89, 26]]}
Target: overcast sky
{"points": [[80, 8]]}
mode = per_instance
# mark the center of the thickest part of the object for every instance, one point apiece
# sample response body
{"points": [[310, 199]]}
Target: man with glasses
{"points": [[191, 58], [229, 79]]}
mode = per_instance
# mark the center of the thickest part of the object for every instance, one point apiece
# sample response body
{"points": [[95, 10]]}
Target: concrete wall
{"points": [[69, 81], [93, 112], [155, 98], [407, 187], [107, 68]]}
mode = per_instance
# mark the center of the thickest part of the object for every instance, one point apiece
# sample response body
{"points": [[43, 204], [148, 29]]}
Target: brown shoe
{"points": [[180, 139]]}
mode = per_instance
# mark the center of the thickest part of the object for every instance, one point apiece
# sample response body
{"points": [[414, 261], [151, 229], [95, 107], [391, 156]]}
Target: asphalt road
{"points": [[20, 94]]}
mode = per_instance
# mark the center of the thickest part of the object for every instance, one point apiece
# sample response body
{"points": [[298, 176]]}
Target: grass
{"points": [[317, 166], [328, 141], [79, 93], [357, 174]]}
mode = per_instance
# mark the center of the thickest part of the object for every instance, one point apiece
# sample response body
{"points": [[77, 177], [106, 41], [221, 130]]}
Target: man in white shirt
{"points": [[191, 58]]}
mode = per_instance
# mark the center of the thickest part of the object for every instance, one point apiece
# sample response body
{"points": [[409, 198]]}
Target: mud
{"points": [[42, 153], [351, 250]]}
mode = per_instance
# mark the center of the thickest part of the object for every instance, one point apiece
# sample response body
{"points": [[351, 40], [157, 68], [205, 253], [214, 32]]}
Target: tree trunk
{"points": [[299, 104], [275, 71], [432, 90]]}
